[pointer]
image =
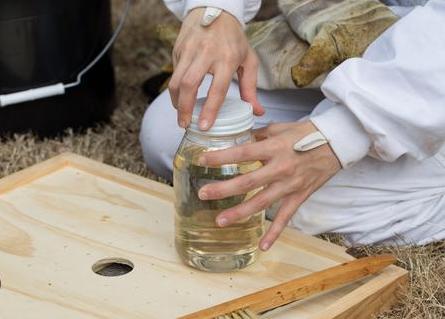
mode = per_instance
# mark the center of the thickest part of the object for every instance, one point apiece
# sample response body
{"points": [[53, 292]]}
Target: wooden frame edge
{"points": [[380, 298], [374, 299], [85, 164], [33, 172], [119, 175]]}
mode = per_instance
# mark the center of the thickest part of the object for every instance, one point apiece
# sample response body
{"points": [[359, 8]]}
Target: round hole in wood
{"points": [[113, 267]]}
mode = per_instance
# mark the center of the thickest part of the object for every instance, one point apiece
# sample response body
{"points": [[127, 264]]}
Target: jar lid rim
{"points": [[234, 116]]}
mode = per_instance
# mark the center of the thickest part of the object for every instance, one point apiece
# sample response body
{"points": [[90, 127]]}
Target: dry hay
{"points": [[425, 296], [138, 55]]}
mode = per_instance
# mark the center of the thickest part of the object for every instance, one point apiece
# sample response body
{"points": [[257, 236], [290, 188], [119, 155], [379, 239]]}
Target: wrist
{"points": [[199, 17], [344, 132], [318, 143], [305, 128], [210, 15], [232, 8]]}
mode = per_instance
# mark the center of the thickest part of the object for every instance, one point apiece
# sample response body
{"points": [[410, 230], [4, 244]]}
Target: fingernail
{"points": [[204, 125], [265, 246], [182, 124], [222, 221], [202, 195]]}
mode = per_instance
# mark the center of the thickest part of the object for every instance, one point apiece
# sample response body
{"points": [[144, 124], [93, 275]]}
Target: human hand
{"points": [[220, 49], [286, 175]]}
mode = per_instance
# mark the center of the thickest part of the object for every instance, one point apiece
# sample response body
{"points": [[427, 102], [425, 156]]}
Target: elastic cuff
{"points": [[344, 132], [234, 7]]}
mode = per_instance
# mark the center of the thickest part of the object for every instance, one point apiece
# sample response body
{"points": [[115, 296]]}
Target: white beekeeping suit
{"points": [[384, 116], [243, 10], [386, 104]]}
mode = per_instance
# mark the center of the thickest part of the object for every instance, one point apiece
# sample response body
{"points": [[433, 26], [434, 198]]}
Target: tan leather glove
{"points": [[335, 29], [309, 39], [277, 48]]}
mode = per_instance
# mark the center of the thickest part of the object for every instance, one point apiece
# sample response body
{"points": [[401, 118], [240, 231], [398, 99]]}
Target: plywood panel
{"points": [[60, 217]]}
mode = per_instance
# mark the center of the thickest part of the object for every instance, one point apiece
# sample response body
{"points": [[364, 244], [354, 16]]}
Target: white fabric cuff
{"points": [[234, 7], [344, 132]]}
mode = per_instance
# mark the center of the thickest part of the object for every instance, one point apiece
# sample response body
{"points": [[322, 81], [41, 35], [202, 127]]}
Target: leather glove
{"points": [[335, 29], [277, 49]]}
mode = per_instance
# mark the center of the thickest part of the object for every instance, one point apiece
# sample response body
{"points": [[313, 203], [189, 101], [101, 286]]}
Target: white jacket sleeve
{"points": [[243, 10], [390, 102]]}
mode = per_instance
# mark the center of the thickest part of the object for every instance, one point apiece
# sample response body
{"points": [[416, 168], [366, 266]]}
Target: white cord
{"points": [[104, 50], [59, 88]]}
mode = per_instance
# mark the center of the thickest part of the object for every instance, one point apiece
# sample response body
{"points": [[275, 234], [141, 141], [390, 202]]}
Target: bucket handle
{"points": [[59, 88]]}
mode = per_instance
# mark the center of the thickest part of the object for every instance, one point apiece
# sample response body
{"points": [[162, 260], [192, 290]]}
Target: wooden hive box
{"points": [[58, 218]]}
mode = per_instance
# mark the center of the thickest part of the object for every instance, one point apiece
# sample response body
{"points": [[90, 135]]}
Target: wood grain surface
{"points": [[58, 218]]}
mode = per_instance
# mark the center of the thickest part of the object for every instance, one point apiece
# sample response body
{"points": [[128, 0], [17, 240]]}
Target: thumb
{"points": [[321, 57], [247, 77]]}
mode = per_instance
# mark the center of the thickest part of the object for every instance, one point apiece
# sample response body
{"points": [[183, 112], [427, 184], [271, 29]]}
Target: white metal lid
{"points": [[234, 116]]}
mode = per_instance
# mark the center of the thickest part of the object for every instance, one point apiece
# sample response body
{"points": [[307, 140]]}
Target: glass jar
{"points": [[200, 242]]}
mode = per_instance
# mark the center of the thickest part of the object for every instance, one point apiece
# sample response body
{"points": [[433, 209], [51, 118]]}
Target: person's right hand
{"points": [[220, 49]]}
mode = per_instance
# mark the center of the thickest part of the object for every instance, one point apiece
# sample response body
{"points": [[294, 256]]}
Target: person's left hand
{"points": [[287, 175]]}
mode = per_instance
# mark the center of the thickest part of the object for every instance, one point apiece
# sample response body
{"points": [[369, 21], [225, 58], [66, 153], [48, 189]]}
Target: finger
{"points": [[312, 64], [262, 133], [217, 93], [271, 130], [287, 209], [189, 86], [256, 204], [178, 74], [175, 59], [247, 77], [239, 185], [258, 151]]}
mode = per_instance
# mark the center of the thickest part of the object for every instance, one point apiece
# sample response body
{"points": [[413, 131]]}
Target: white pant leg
{"points": [[375, 201], [160, 134], [371, 202]]}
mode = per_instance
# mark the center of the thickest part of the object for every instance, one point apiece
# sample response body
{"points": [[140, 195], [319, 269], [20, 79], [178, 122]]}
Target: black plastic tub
{"points": [[44, 42]]}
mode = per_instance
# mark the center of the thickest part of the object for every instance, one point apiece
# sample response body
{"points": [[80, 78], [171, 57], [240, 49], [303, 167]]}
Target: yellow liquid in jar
{"points": [[200, 242]]}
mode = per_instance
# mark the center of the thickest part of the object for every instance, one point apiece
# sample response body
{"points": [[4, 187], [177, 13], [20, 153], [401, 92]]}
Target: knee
{"points": [[159, 139], [150, 148]]}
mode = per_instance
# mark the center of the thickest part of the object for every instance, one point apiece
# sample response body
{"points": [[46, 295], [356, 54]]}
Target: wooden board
{"points": [[60, 217]]}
